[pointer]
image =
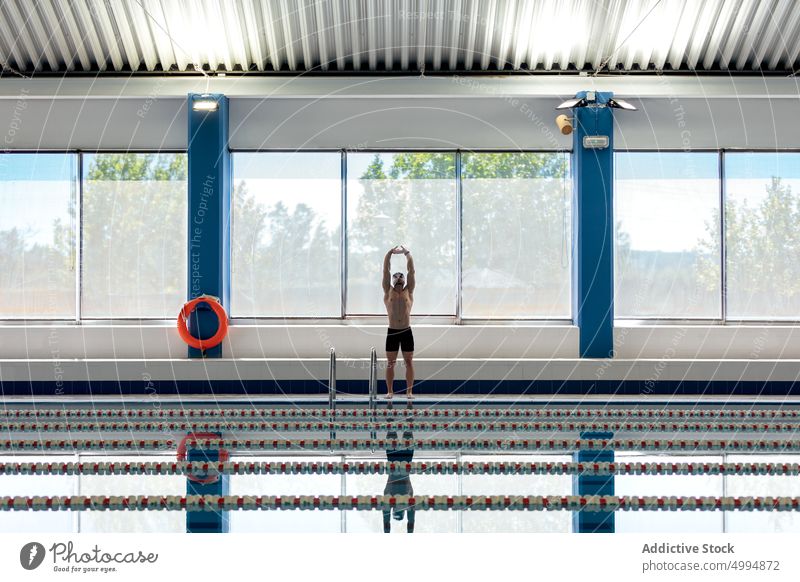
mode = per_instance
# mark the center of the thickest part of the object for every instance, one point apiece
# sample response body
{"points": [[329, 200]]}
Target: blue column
{"points": [[207, 521], [593, 228], [209, 214], [593, 521]]}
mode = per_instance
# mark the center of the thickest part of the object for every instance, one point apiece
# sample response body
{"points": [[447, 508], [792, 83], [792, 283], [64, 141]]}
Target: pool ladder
{"points": [[373, 388]]}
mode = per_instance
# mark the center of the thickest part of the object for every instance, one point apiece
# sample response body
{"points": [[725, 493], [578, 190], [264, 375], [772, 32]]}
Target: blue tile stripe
{"points": [[154, 388]]}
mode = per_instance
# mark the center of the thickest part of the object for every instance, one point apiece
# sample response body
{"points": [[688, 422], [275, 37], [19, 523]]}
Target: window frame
{"points": [[778, 322], [723, 320], [656, 320], [76, 241], [433, 319], [100, 321]]}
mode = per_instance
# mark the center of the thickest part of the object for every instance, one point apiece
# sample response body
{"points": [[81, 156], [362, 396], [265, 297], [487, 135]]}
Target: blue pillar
{"points": [[209, 213], [205, 521], [593, 521], [593, 228]]}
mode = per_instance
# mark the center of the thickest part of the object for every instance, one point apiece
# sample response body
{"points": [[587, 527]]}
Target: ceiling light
{"points": [[570, 103], [621, 104]]}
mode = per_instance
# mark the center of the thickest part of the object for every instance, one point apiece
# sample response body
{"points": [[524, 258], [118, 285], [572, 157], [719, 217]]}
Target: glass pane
{"points": [[517, 485], [134, 235], [286, 234], [39, 485], [402, 198], [762, 213], [763, 486], [667, 235], [667, 486], [286, 521], [516, 235], [37, 235], [132, 521], [427, 521]]}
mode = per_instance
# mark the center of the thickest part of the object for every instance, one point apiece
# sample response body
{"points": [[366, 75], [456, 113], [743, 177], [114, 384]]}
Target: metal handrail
{"points": [[332, 381], [373, 389], [332, 387]]}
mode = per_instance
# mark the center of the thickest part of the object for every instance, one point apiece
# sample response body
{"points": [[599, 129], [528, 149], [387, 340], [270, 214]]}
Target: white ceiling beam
{"points": [[720, 31], [254, 26], [506, 32], [23, 33], [787, 40], [286, 34], [352, 23], [377, 87], [306, 34], [439, 24], [472, 34], [323, 30], [121, 14], [44, 37], [270, 31], [141, 25], [765, 8], [708, 16], [454, 42], [522, 34], [371, 17], [389, 19], [15, 50], [776, 21], [488, 34], [235, 35], [106, 28], [421, 44], [735, 38], [55, 22]]}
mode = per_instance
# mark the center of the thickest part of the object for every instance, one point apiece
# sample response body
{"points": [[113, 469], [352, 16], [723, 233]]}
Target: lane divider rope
{"points": [[359, 413], [483, 444], [385, 502], [390, 468], [499, 425]]}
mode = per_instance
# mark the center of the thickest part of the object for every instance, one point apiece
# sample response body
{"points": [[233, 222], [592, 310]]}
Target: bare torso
{"points": [[398, 308]]}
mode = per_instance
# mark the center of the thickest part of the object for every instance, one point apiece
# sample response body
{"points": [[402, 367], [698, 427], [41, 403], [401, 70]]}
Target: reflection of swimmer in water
{"points": [[399, 483]]}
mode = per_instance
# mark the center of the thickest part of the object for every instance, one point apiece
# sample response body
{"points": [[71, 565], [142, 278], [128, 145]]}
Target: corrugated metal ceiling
{"points": [[398, 35]]}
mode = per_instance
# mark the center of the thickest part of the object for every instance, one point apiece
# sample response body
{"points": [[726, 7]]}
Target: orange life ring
{"points": [[223, 457], [222, 328]]}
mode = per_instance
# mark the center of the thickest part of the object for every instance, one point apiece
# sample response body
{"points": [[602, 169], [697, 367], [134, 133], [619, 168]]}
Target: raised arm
{"points": [[411, 279], [387, 277]]}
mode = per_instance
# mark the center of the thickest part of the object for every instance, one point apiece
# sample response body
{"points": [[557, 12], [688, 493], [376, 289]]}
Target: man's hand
{"points": [[398, 250]]}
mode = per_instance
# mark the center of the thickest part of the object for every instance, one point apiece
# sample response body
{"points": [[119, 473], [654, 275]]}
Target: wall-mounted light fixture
{"points": [[204, 103]]}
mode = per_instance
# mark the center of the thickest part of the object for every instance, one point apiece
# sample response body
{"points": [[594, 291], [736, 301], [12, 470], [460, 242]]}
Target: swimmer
{"points": [[398, 297]]}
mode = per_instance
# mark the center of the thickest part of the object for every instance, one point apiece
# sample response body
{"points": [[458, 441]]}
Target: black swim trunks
{"points": [[399, 338]]}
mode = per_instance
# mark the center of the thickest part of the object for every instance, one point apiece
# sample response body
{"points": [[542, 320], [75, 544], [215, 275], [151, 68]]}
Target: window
{"points": [[286, 235], [762, 213], [401, 198], [667, 249], [516, 235], [134, 235], [37, 235]]}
